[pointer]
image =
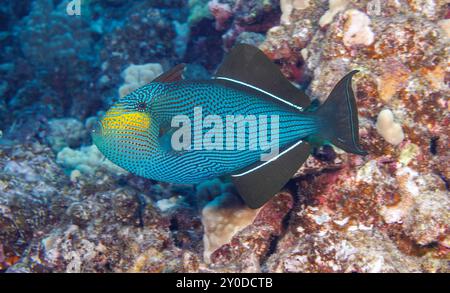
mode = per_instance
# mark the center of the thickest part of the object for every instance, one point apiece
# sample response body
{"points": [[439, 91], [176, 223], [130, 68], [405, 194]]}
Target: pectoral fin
{"points": [[260, 182]]}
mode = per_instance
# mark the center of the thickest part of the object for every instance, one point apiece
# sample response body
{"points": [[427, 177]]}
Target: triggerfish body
{"points": [[187, 131]]}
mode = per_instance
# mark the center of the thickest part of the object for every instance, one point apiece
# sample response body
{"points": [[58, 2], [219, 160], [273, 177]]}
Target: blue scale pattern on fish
{"points": [[142, 154], [137, 132]]}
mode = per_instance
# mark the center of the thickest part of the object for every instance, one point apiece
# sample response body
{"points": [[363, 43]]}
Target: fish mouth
{"points": [[97, 132], [97, 129]]}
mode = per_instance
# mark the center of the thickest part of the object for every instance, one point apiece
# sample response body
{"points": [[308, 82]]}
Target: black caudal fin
{"points": [[260, 182], [340, 117]]}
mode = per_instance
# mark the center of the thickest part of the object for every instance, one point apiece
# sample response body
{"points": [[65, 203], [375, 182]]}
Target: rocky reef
{"points": [[65, 208]]}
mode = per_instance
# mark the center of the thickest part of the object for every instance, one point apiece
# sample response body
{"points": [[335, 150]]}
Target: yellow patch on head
{"points": [[119, 119]]}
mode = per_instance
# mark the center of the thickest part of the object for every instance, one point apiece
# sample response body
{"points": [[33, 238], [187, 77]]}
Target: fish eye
{"points": [[141, 106]]}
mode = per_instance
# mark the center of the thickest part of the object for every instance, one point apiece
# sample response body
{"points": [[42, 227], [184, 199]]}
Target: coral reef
{"points": [[198, 10], [248, 250], [65, 208], [234, 17], [87, 55], [136, 76], [354, 225], [392, 132], [363, 219], [86, 160], [357, 31], [284, 42], [94, 224], [72, 63], [334, 7], [287, 6], [222, 218], [146, 36], [29, 182], [65, 132]]}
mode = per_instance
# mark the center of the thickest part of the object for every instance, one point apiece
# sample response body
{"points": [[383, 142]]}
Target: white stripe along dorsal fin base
{"points": [[260, 90]]}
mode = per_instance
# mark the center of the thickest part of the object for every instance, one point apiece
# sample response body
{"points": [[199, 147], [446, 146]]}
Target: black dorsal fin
{"points": [[174, 74], [260, 182], [250, 65]]}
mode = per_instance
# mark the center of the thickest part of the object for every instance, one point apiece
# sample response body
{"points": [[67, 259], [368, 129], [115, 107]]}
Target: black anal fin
{"points": [[257, 184], [250, 65], [173, 74]]}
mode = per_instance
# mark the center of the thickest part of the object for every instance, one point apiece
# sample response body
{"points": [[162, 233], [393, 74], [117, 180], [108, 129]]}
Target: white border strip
{"points": [[271, 160], [258, 89]]}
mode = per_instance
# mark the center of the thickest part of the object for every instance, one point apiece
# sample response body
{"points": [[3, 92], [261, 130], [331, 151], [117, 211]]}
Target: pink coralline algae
{"points": [[284, 42], [251, 246], [388, 211], [395, 200], [221, 12]]}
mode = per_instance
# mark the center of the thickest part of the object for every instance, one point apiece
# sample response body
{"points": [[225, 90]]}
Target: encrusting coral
{"points": [[357, 29], [136, 76], [390, 130], [65, 132], [222, 218], [287, 6], [86, 160], [334, 7], [350, 200]]}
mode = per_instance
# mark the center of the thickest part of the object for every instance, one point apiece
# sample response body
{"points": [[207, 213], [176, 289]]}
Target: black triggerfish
{"points": [[248, 122]]}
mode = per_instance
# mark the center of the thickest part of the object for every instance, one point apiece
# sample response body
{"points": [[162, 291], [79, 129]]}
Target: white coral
{"points": [[391, 131], [222, 218], [335, 6], [136, 76], [357, 29], [86, 160], [288, 5]]}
